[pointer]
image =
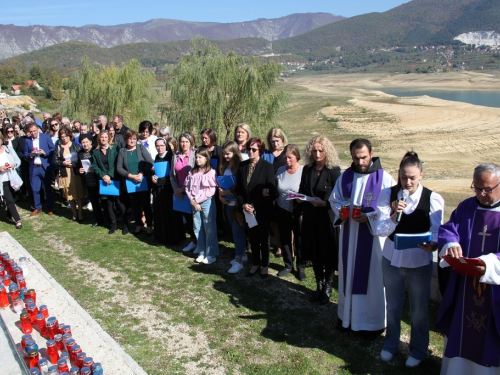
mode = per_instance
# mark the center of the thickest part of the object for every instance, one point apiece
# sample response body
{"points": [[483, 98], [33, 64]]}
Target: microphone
{"points": [[403, 198]]}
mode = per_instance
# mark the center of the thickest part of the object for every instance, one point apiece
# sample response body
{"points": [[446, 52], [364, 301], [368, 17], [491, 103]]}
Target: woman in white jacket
{"points": [[9, 161]]}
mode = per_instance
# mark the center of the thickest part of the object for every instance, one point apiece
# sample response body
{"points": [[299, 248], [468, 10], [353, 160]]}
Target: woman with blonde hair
{"points": [[319, 238], [242, 134]]}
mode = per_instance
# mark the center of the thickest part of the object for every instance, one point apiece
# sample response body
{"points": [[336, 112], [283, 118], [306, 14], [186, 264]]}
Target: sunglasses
{"points": [[10, 131], [253, 149]]}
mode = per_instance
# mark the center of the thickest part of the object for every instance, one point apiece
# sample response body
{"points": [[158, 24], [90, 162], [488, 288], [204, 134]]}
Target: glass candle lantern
{"points": [[31, 294], [52, 351], [23, 263], [79, 359], [41, 324], [59, 342], [18, 305], [44, 310], [62, 366], [26, 326], [4, 298], [33, 312], [33, 358]]}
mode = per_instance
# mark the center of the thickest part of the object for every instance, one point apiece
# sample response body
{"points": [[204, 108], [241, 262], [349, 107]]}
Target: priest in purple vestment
{"points": [[469, 314]]}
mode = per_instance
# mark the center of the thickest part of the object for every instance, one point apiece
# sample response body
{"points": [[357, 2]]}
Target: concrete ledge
{"points": [[86, 331]]}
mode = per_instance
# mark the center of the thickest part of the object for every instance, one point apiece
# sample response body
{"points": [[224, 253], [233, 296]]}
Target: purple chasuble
{"points": [[469, 314], [364, 242]]}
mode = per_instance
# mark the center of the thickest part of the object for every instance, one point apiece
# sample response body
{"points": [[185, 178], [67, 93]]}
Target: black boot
{"points": [[327, 290], [112, 227], [318, 274]]}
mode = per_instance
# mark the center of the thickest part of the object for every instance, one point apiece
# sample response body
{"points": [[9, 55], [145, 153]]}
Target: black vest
{"points": [[419, 220]]}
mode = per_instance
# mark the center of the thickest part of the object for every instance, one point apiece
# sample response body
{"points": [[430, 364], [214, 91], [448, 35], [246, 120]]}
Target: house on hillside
{"points": [[32, 83], [15, 89]]}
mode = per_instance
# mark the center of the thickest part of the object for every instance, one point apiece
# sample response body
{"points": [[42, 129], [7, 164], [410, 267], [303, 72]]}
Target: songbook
{"points": [[183, 205], [135, 187], [86, 164], [162, 169], [404, 241], [250, 219], [111, 189], [465, 266], [227, 182]]}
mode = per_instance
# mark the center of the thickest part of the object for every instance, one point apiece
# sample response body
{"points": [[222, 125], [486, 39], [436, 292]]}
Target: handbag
{"points": [[15, 181]]}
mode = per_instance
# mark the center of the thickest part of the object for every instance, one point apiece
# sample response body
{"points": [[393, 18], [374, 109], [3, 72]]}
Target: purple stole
{"points": [[473, 307], [364, 242]]}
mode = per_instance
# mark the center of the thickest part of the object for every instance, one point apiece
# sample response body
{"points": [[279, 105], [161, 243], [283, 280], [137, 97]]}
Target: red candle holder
{"points": [[4, 298], [26, 326], [52, 351], [356, 210], [33, 312], [41, 324]]}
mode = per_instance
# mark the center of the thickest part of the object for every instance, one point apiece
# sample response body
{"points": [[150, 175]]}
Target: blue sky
{"points": [[113, 12]]}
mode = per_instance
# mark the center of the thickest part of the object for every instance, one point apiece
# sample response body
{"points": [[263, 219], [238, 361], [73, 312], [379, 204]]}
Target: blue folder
{"points": [[410, 241], [183, 205], [215, 164], [111, 189], [162, 169], [135, 187], [225, 183]]}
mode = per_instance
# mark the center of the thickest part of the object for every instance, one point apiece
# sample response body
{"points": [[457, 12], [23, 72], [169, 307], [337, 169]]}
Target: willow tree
{"points": [[109, 90], [210, 89]]}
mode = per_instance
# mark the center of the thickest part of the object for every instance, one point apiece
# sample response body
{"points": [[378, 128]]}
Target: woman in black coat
{"points": [[168, 222], [318, 237], [256, 191]]}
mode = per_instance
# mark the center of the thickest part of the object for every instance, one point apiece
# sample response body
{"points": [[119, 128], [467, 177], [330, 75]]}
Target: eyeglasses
{"points": [[253, 149], [10, 131], [483, 190]]}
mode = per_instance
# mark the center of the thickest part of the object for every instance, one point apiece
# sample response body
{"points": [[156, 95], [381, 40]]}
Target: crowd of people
{"points": [[346, 222]]}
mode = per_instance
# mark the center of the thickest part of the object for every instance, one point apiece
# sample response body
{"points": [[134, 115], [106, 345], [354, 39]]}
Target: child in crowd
{"points": [[231, 158], [201, 184]]}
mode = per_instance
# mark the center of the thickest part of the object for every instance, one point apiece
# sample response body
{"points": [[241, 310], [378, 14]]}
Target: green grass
{"points": [[172, 315]]}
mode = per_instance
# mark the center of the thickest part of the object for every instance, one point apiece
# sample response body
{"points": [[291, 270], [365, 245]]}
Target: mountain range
{"points": [[15, 40], [418, 22]]}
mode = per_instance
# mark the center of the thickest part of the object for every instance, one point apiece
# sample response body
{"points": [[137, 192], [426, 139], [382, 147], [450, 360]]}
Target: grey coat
{"points": [[145, 161]]}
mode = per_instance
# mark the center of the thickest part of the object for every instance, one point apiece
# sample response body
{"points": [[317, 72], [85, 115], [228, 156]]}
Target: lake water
{"points": [[485, 98]]}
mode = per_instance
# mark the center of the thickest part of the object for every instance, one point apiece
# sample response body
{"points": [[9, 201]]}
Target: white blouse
{"points": [[384, 226]]}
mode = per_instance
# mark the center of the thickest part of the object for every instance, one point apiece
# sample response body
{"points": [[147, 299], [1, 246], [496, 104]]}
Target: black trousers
{"points": [[288, 223], [8, 195], [259, 240], [108, 202], [93, 192]]}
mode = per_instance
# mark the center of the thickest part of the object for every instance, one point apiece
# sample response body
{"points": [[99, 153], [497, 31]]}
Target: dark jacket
{"points": [[58, 158], [251, 193], [323, 188], [98, 166]]}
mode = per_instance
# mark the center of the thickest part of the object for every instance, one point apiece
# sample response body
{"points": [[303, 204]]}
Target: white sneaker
{"points": [[89, 207], [209, 260], [200, 258], [196, 251], [386, 356], [412, 362], [235, 268], [189, 247]]}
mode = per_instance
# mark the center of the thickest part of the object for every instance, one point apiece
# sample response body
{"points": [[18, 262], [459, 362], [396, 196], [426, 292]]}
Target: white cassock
{"points": [[363, 312]]}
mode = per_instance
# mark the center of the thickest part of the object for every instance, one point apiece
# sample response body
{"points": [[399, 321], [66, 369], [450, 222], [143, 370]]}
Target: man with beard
{"points": [[361, 304]]}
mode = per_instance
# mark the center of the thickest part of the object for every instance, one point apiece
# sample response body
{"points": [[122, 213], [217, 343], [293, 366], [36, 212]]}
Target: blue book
{"points": [[404, 241], [183, 205], [111, 189], [225, 183], [162, 169], [135, 187]]}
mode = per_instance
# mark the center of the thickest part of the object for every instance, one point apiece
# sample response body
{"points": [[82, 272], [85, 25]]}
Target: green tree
{"points": [[36, 73], [56, 87], [209, 89], [108, 90]]}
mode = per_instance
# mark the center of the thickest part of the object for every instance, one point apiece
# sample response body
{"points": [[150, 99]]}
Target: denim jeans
{"points": [[419, 291], [239, 236], [205, 228]]}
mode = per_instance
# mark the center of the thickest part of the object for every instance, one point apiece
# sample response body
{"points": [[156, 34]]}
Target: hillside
{"points": [[15, 40], [69, 55], [418, 22]]}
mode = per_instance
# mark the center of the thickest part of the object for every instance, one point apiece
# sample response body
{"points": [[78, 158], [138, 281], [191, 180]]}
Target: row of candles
{"points": [[64, 355]]}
